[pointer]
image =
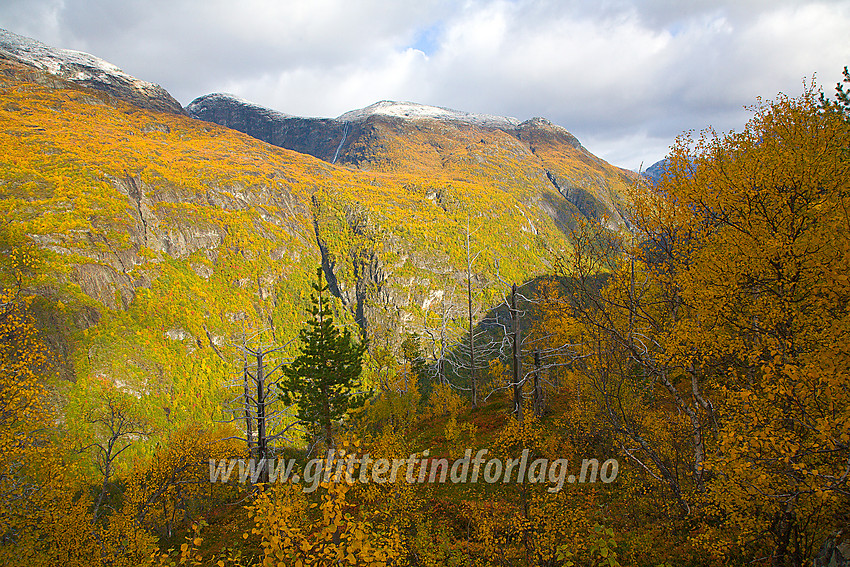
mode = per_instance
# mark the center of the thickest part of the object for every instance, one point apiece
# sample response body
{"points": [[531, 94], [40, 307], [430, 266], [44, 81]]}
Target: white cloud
{"points": [[336, 90]]}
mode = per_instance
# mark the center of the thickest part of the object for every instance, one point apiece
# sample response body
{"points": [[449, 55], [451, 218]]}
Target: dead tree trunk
{"points": [[537, 396], [472, 378], [249, 420], [517, 359], [262, 442]]}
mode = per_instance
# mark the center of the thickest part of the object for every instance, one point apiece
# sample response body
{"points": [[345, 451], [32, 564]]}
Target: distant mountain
{"points": [[656, 170], [415, 111], [406, 137], [85, 70], [328, 138]]}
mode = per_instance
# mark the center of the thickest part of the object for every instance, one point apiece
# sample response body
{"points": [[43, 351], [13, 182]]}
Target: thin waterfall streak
{"points": [[341, 142]]}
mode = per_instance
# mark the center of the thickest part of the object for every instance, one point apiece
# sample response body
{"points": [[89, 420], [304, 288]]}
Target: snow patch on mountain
{"points": [[85, 69], [414, 111]]}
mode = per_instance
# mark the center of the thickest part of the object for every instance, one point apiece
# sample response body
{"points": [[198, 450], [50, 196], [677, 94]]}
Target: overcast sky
{"points": [[625, 76]]}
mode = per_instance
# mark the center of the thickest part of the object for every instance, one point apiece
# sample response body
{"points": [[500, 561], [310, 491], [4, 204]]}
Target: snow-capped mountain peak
{"points": [[86, 70], [412, 110]]}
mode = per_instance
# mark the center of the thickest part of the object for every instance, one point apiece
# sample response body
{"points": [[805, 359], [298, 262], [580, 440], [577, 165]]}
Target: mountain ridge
{"points": [[210, 108], [406, 137], [416, 111], [86, 70]]}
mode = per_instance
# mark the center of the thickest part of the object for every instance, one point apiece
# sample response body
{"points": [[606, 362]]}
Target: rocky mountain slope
{"points": [[85, 70], [655, 171], [154, 242], [405, 137]]}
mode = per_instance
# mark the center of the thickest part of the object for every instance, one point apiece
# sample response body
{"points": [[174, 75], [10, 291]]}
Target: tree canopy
{"points": [[719, 350]]}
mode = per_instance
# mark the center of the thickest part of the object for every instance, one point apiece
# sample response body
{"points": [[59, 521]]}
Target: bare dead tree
{"points": [[518, 347], [258, 405], [461, 347], [442, 337]]}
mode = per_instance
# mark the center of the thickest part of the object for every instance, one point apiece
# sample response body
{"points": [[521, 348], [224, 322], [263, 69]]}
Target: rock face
{"points": [[318, 137], [86, 70]]}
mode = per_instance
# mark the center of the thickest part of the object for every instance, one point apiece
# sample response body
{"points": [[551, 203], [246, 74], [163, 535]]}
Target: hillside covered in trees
{"points": [[181, 300]]}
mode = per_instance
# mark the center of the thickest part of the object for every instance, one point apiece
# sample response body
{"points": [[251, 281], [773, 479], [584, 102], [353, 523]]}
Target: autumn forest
{"points": [[177, 298]]}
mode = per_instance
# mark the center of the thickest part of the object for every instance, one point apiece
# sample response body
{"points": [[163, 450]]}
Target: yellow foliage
{"points": [[294, 531], [758, 248], [160, 492], [444, 400]]}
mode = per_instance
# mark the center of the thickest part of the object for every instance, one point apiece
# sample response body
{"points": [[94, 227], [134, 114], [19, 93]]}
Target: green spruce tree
{"points": [[324, 379]]}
